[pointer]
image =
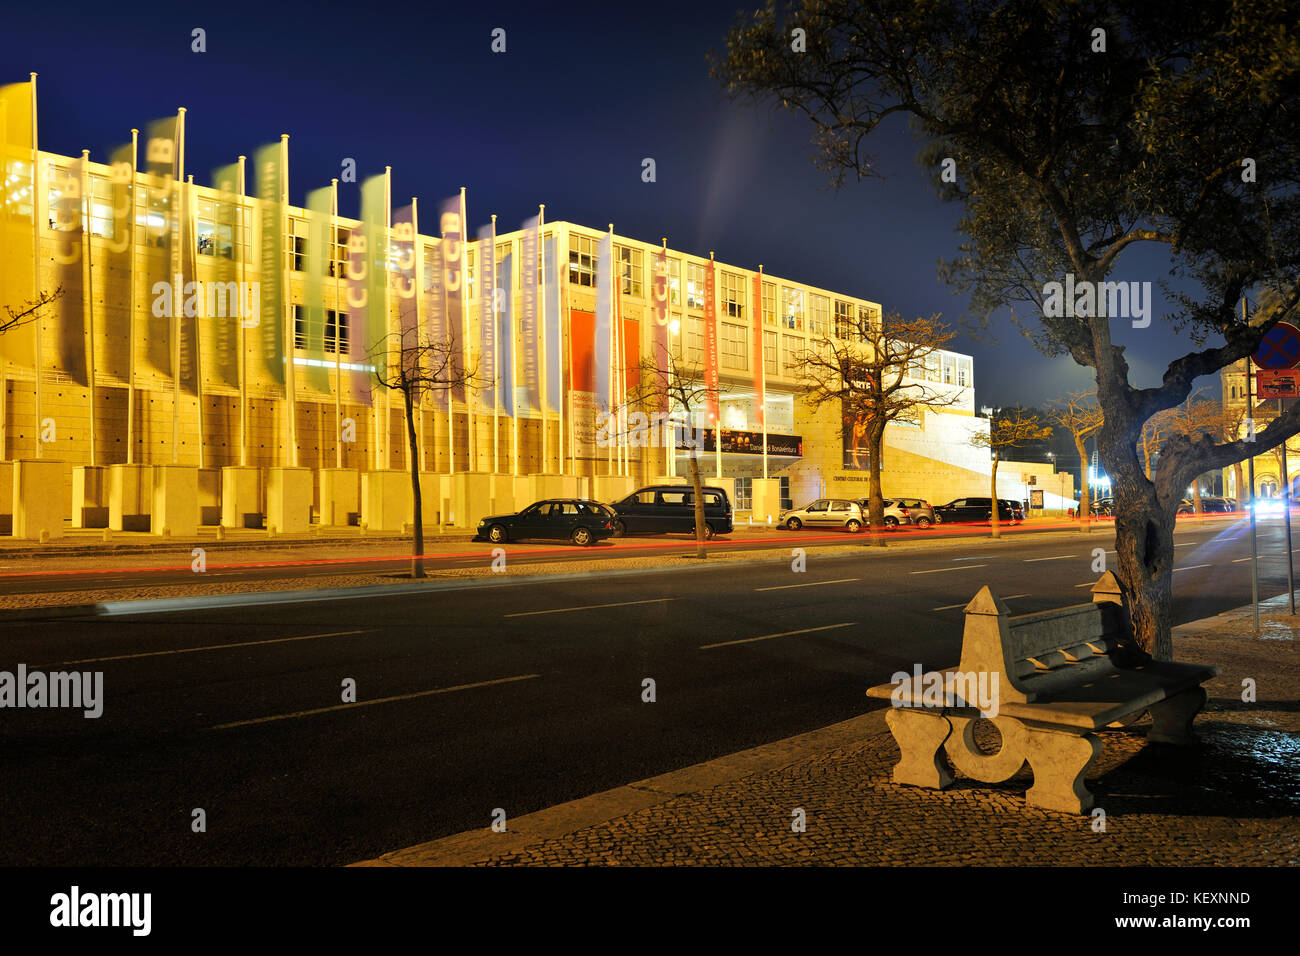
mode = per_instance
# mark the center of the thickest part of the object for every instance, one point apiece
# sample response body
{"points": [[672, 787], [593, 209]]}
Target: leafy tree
{"points": [[1072, 133], [1080, 416]]}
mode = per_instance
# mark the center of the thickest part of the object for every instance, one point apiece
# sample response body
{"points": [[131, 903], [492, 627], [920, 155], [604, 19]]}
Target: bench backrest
{"points": [[1035, 654]]}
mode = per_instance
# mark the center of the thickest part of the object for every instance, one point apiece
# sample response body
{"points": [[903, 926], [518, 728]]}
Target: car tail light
{"points": [[905, 511]]}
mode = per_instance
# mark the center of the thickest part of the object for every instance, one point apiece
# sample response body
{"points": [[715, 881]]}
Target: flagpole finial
{"points": [[611, 227], [334, 182], [494, 219], [180, 109], [665, 241], [710, 253], [541, 205], [134, 131], [241, 158], [284, 137]]}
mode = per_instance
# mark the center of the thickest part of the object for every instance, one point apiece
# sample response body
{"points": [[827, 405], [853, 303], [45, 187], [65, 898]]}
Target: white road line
{"points": [[1086, 584], [1193, 567], [1011, 597], [768, 637], [810, 584], [1057, 558], [378, 700], [1185, 544], [976, 558], [949, 607], [212, 647], [964, 567], [1239, 560], [588, 607]]}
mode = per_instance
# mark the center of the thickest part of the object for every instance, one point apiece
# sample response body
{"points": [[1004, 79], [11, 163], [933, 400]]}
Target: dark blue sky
{"points": [[565, 117]]}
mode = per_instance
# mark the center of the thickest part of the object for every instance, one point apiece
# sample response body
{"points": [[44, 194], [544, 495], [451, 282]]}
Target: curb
{"points": [[472, 846]]}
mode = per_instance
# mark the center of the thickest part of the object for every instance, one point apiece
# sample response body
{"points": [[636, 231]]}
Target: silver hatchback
{"points": [[826, 513]]}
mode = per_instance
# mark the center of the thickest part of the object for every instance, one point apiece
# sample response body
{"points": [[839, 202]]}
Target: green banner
{"points": [[319, 241], [269, 173], [374, 216], [228, 302]]}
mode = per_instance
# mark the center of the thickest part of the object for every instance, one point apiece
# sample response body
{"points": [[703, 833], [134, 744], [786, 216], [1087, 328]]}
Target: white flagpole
{"points": [[242, 252], [561, 255], [192, 250], [88, 298], [717, 398], [762, 362], [177, 250], [37, 203], [337, 268], [471, 443], [130, 322], [542, 377], [290, 386], [495, 333], [418, 253], [609, 354], [388, 327]]}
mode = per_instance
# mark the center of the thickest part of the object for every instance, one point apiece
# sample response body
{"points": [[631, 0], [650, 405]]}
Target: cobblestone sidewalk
{"points": [[1234, 800]]}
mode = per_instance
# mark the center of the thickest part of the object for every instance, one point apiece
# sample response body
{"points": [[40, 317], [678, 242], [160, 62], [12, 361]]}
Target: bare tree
{"points": [[405, 362], [28, 311], [1194, 419], [873, 373], [668, 385], [1015, 429], [1081, 415]]}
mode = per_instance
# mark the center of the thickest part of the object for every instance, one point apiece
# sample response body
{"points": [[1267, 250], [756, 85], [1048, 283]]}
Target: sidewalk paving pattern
{"points": [[1234, 800]]}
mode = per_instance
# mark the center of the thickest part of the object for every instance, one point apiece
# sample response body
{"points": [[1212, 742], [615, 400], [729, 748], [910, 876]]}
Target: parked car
{"points": [[1185, 507], [968, 510], [1216, 505], [1103, 507], [660, 509], [1015, 508], [573, 519], [826, 513], [903, 511]]}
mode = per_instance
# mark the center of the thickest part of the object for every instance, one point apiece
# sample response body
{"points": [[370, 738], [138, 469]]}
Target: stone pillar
{"points": [[176, 500], [36, 510], [288, 500], [726, 484], [471, 497], [241, 497], [130, 497], [209, 496], [669, 480], [6, 497], [430, 499], [766, 500], [89, 496], [340, 497], [385, 499], [502, 500]]}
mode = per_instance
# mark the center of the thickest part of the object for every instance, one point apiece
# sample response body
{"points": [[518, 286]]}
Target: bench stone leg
{"points": [[1059, 761], [920, 735], [969, 761], [1171, 719]]}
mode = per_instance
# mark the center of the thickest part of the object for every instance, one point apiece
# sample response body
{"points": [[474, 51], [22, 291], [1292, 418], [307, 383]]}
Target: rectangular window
{"points": [[675, 282], [298, 243], [582, 260], [215, 228], [299, 327], [933, 364], [630, 270], [964, 372], [844, 327], [949, 369], [694, 285], [101, 207], [339, 261], [769, 303], [868, 317], [769, 353], [694, 342], [733, 295], [336, 332], [792, 350], [819, 314], [734, 347], [791, 308]]}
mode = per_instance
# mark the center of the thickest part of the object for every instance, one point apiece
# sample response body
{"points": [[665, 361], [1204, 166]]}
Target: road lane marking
{"points": [[810, 584], [212, 647], [768, 637], [1086, 584], [588, 607], [377, 700], [1057, 558], [965, 567], [1011, 597], [1239, 560], [949, 607], [1185, 544], [976, 558], [1193, 567]]}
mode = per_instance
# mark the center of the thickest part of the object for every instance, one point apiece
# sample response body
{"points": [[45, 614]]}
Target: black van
{"points": [[671, 508]]}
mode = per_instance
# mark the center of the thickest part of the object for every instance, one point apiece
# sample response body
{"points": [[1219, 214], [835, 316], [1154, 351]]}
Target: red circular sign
{"points": [[1279, 348]]}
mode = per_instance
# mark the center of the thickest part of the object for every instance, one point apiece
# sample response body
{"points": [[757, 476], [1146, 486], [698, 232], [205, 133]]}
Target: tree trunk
{"points": [[1196, 496], [875, 494], [699, 505], [417, 555], [1240, 486], [1085, 495], [1144, 543], [993, 512]]}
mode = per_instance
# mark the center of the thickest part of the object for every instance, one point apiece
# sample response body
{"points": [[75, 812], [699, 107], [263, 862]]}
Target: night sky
{"points": [[564, 117]]}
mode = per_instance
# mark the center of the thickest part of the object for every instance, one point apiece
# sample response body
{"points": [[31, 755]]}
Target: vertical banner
{"points": [[233, 302], [270, 186], [528, 330], [435, 319], [159, 235], [760, 372], [711, 344], [506, 334], [554, 328], [64, 184], [453, 285], [659, 340], [17, 252], [319, 205], [402, 260], [357, 304], [374, 216], [604, 320], [486, 269], [112, 337]]}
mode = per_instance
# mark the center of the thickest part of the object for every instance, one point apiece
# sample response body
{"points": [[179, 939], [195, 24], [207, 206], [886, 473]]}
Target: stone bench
{"points": [[1055, 678]]}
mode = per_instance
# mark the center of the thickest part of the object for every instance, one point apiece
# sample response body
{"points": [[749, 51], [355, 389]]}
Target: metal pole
{"points": [[1254, 544], [1286, 505]]}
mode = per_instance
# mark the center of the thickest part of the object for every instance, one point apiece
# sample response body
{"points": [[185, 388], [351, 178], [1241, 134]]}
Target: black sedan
{"points": [[558, 519]]}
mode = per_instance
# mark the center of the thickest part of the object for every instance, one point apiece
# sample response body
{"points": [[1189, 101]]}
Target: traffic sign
{"points": [[1279, 348], [1277, 383]]}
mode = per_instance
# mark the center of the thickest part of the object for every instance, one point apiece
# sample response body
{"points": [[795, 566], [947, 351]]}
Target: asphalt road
{"points": [[493, 694]]}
